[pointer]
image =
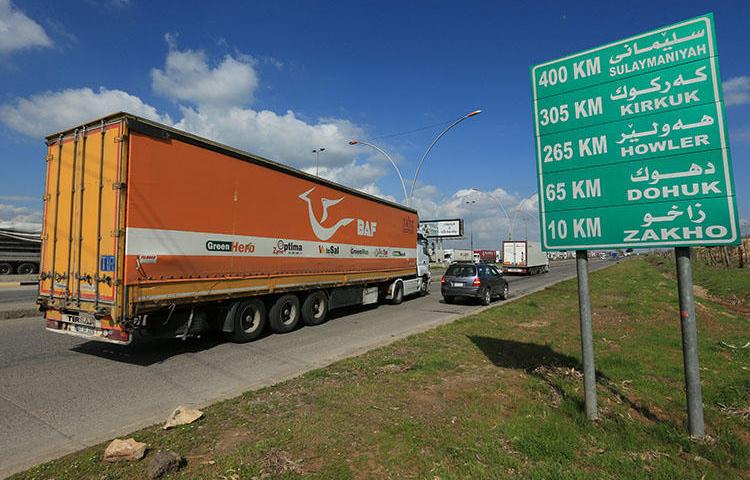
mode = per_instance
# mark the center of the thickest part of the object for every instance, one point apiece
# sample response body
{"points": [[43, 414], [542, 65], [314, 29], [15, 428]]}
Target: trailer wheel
{"points": [[249, 320], [26, 269], [284, 314], [398, 294], [315, 308], [6, 269]]}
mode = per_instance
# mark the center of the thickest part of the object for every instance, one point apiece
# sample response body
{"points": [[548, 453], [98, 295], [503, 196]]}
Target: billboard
{"points": [[447, 228]]}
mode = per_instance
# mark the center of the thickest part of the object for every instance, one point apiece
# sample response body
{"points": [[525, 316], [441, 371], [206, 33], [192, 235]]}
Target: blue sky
{"points": [[282, 78]]}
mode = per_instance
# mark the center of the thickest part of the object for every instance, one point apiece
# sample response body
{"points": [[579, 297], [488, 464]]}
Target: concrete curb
{"points": [[19, 278], [19, 313], [19, 283]]}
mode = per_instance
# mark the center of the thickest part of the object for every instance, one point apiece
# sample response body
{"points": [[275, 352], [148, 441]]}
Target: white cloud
{"points": [[11, 215], [49, 112], [736, 90], [219, 96], [485, 216], [362, 176], [285, 139], [17, 31], [282, 137], [18, 198], [188, 77]]}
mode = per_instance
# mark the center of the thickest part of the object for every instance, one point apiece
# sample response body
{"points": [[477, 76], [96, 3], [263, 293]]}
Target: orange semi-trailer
{"points": [[153, 229]]}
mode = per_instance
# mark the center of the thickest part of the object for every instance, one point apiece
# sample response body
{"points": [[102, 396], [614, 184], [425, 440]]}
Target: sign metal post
{"points": [[689, 342], [587, 338], [633, 152]]}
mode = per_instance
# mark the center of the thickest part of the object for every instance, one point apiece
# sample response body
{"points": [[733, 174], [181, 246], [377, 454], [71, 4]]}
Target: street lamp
{"points": [[400, 177], [424, 156], [471, 227], [519, 208], [510, 224], [317, 158]]}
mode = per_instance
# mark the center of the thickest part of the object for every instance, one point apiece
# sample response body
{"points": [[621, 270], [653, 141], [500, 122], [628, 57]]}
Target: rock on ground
{"points": [[124, 450], [163, 463], [182, 416]]}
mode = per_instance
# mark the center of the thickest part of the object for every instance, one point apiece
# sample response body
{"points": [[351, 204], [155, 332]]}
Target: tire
{"points": [[315, 308], [425, 290], [249, 320], [284, 314], [486, 297], [6, 269], [398, 294], [26, 269], [449, 298], [506, 292]]}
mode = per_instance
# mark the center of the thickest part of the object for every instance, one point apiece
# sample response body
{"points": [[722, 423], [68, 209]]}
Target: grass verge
{"points": [[493, 395], [730, 286]]}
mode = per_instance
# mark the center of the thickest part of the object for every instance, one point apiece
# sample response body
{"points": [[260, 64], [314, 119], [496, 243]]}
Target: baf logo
{"points": [[283, 247], [364, 228]]}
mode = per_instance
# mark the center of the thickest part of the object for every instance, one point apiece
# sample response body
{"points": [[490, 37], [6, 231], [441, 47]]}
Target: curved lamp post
{"points": [[361, 142], [510, 224], [421, 160], [518, 208]]}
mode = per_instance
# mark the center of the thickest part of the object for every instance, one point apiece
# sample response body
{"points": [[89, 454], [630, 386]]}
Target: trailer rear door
{"points": [[514, 253], [82, 220]]}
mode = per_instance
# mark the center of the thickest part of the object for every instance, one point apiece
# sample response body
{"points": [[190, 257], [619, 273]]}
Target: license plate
{"points": [[458, 284], [82, 319], [83, 329]]}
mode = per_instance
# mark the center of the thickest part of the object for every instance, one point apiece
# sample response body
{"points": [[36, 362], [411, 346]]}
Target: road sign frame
{"points": [[705, 21]]}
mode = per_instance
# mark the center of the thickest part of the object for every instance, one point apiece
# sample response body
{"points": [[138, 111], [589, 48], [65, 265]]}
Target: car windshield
{"points": [[461, 271]]}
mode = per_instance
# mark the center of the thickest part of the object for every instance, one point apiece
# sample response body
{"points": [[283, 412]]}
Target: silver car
{"points": [[473, 280]]}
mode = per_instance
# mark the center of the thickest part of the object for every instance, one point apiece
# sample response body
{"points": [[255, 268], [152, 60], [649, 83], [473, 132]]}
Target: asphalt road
{"points": [[59, 394], [18, 294]]}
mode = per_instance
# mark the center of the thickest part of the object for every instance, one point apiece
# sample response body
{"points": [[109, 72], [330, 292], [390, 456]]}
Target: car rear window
{"points": [[461, 271]]}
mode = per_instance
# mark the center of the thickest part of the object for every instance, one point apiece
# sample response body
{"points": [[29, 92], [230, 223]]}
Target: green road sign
{"points": [[660, 91], [682, 177], [707, 221], [666, 47], [687, 130], [634, 131]]}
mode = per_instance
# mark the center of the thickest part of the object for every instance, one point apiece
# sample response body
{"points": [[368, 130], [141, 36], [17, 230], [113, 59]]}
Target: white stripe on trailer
{"points": [[151, 241]]}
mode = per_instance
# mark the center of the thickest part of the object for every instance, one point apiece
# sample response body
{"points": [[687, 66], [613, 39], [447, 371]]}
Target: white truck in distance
{"points": [[452, 255], [524, 257]]}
